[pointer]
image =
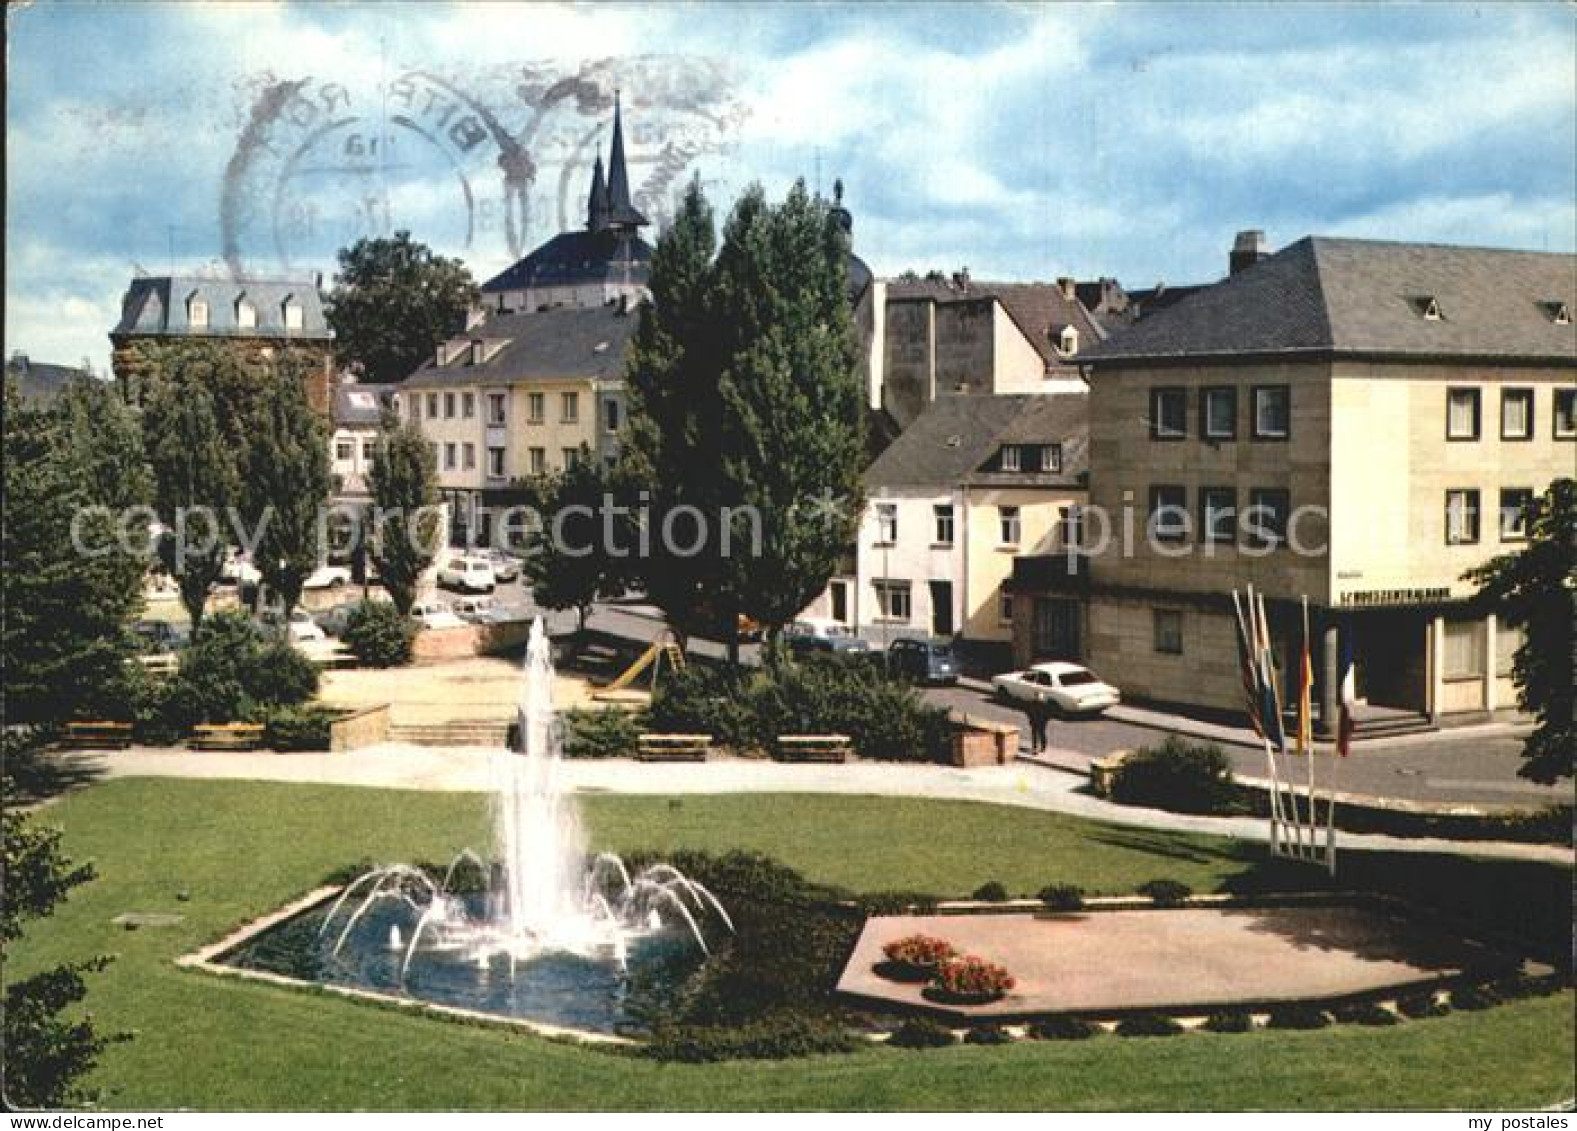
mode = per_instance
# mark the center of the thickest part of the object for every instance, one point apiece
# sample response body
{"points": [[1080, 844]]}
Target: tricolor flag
{"points": [[1305, 690], [1346, 689]]}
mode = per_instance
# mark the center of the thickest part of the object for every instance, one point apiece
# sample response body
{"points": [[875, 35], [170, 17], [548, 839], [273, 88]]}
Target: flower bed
{"points": [[969, 980], [915, 958]]}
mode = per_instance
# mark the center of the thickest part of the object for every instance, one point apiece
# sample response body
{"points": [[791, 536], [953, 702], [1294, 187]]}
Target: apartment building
{"points": [[1353, 422]]}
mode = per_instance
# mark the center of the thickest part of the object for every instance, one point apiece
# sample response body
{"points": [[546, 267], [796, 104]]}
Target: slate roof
{"points": [[574, 342], [575, 258], [1039, 310], [947, 443], [1325, 297], [40, 383], [157, 304], [357, 405]]}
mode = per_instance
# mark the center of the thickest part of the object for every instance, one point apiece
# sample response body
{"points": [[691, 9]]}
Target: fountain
{"points": [[543, 897]]}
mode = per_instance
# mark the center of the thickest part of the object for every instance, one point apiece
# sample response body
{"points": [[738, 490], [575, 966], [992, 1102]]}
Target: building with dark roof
{"points": [[1354, 422], [607, 261], [970, 484], [355, 413], [263, 320], [40, 383]]}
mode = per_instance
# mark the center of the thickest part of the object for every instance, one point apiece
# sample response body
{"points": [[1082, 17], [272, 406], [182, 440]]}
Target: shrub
{"points": [[1148, 1025], [1179, 775], [972, 977], [1365, 1013], [921, 1033], [211, 684], [1166, 893], [280, 675], [1298, 1016], [919, 950], [898, 902], [298, 728], [777, 1036], [1474, 998], [605, 733], [1061, 1029], [1519, 985], [991, 892], [378, 635], [704, 700], [1230, 1021], [1062, 897], [988, 1035], [1421, 1005]]}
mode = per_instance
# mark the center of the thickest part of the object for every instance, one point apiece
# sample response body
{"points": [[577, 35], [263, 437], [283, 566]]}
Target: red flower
{"points": [[919, 950], [971, 976]]}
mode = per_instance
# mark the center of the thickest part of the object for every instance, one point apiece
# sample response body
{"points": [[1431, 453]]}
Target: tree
{"points": [[404, 494], [64, 637], [1536, 590], [287, 484], [194, 466], [393, 301], [46, 1054], [746, 402], [582, 555]]}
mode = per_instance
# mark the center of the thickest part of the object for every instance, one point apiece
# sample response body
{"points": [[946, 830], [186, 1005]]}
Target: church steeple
{"points": [[621, 212], [597, 200]]}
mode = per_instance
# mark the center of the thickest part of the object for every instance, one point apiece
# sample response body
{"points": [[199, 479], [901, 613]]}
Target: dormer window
{"points": [[245, 314], [197, 312], [1428, 308], [1068, 341], [1557, 312], [291, 311], [1010, 458]]}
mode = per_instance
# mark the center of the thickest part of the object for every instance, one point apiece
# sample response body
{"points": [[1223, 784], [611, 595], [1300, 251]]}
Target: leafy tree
{"points": [[379, 635], [747, 401], [575, 561], [194, 466], [46, 1054], [393, 301], [287, 484], [63, 638], [404, 493], [1534, 590]]}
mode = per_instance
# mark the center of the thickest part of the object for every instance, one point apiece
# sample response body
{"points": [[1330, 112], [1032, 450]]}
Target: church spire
{"points": [[621, 212], [597, 200]]}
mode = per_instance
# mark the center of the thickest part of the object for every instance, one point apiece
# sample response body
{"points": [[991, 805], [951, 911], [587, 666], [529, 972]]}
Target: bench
{"points": [[1103, 770], [226, 736], [99, 735], [673, 747], [814, 747]]}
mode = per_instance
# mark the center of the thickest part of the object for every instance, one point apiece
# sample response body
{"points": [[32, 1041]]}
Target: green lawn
{"points": [[240, 849]]}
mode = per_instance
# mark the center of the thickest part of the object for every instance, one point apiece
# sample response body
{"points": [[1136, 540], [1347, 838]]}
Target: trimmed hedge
{"points": [[1421, 1005], [1365, 1013], [1474, 998], [922, 1033], [988, 1035], [1148, 1025], [1061, 1029], [605, 733], [1166, 893], [1230, 1021], [1298, 1016], [992, 891], [1062, 897], [307, 727], [1179, 775]]}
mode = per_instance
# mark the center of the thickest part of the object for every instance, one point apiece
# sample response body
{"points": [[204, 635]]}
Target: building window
{"points": [[1461, 517], [570, 456], [1462, 414], [1272, 412], [369, 449], [1010, 458], [892, 600], [1218, 518], [610, 415], [1515, 503], [1508, 638], [1168, 628], [1051, 458], [495, 408], [1068, 342], [539, 460], [1168, 414], [1218, 413], [1566, 414], [449, 457], [1464, 650], [1266, 517], [468, 405], [1073, 525], [886, 524], [245, 314], [1168, 513], [470, 456], [448, 406], [344, 451], [569, 408], [432, 406], [536, 408], [1009, 526], [944, 523], [1516, 414], [495, 462], [293, 318], [1005, 608], [197, 313]]}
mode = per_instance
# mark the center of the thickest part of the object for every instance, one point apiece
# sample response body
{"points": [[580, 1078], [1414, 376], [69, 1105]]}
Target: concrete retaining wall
{"points": [[366, 727]]}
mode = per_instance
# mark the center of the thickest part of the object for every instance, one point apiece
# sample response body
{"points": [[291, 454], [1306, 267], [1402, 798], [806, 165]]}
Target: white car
{"points": [[327, 577], [506, 566], [1069, 688], [435, 614], [238, 569], [473, 574], [478, 610], [302, 628]]}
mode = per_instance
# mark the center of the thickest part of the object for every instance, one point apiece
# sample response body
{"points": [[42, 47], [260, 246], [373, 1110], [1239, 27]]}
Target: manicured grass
{"points": [[239, 849]]}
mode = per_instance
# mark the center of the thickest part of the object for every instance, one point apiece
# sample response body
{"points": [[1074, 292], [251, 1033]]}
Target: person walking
{"points": [[1038, 711]]}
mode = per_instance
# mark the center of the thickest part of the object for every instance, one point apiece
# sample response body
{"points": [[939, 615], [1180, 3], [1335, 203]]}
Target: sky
{"points": [[1022, 141]]}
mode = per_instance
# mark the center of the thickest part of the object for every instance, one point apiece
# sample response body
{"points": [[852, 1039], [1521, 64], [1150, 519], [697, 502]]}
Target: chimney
{"points": [[1066, 286], [1247, 250]]}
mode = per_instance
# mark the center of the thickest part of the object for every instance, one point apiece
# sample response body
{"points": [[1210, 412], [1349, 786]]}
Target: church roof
{"points": [[573, 258], [620, 209]]}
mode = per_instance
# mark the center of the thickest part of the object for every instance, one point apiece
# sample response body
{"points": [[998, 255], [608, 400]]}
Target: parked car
{"points": [[303, 628], [478, 610], [506, 566], [435, 614], [822, 634], [924, 661], [160, 636], [1068, 687], [470, 573], [334, 619], [327, 577], [237, 569]]}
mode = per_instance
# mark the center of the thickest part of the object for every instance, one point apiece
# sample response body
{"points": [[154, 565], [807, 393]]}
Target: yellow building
{"points": [[519, 395], [1354, 422]]}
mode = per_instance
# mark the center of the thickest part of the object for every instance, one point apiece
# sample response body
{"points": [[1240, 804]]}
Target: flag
{"points": [[1246, 670], [1269, 702], [1347, 689], [1305, 690]]}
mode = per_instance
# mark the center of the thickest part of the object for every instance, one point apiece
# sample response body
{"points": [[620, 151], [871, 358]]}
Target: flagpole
{"points": [[1244, 613], [1305, 725]]}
